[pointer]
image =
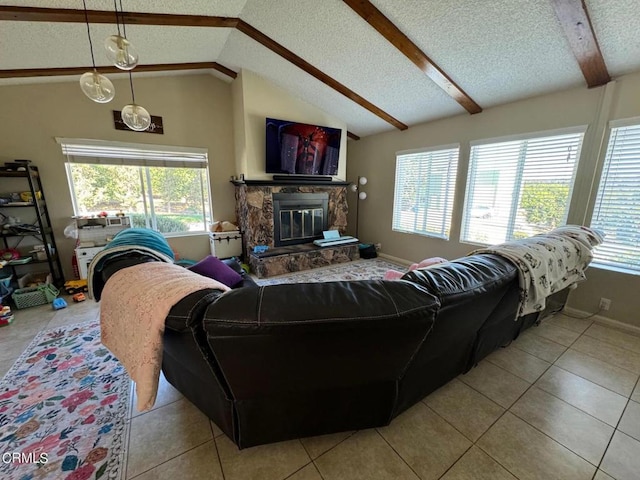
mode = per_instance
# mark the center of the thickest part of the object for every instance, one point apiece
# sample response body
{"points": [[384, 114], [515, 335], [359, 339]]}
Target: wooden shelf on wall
{"points": [[265, 183]]}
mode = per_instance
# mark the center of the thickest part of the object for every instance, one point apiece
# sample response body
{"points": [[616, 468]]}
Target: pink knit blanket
{"points": [[135, 303]]}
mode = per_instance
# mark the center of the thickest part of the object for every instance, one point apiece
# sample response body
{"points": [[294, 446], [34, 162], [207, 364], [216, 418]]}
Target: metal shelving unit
{"points": [[41, 227]]}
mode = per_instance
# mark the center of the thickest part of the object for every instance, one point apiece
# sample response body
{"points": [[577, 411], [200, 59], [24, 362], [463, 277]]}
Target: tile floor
{"points": [[562, 402]]}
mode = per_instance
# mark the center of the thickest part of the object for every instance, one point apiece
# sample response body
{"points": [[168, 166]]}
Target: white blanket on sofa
{"points": [[135, 303], [548, 262]]}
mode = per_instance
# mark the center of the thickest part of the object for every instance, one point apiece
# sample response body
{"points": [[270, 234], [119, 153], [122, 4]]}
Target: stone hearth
{"points": [[305, 257], [254, 210]]}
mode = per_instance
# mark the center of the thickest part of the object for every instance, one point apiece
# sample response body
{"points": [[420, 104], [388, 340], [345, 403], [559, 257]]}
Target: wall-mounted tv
{"points": [[293, 147]]}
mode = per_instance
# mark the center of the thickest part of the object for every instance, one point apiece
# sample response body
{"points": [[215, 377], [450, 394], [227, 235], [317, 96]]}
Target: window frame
{"points": [[599, 178], [451, 191], [578, 129], [144, 157]]}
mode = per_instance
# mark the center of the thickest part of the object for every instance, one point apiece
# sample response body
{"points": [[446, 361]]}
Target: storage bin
{"points": [[34, 296], [34, 277], [5, 284], [226, 244]]}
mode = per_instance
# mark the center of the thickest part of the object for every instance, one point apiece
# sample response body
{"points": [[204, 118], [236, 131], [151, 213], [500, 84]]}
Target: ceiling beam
{"points": [[66, 15], [299, 62], [394, 35], [574, 20], [55, 72], [31, 14], [352, 136]]}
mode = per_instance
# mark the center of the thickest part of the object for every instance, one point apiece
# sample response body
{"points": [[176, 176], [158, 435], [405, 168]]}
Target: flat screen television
{"points": [[300, 148]]}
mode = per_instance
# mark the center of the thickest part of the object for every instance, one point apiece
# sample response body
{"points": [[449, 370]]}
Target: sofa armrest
{"points": [[188, 311]]}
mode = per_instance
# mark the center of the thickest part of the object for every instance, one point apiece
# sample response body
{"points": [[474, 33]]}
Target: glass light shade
{"points": [[362, 195], [353, 187], [136, 117], [363, 180], [97, 87], [121, 53]]}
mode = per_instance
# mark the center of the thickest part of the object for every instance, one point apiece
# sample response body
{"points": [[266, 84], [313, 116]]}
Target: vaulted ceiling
{"points": [[378, 65]]}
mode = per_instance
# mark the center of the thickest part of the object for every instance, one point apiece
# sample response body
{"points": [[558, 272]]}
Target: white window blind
{"points": [[617, 207], [520, 187], [117, 153], [424, 189]]}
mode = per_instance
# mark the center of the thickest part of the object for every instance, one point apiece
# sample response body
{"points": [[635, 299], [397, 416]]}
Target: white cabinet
{"points": [[84, 256]]}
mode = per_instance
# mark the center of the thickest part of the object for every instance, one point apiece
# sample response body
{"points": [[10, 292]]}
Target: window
{"points": [[520, 187], [617, 208], [425, 184], [163, 188]]}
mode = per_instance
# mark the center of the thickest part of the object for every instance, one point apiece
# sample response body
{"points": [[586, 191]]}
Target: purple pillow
{"points": [[215, 268]]}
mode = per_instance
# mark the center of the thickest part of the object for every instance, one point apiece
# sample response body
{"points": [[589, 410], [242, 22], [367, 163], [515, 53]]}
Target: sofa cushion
{"points": [[306, 334], [215, 268]]}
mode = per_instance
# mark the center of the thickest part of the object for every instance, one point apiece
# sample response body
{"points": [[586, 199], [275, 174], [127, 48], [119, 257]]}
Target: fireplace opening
{"points": [[299, 217]]}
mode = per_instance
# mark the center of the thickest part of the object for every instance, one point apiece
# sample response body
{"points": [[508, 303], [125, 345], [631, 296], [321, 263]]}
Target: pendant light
{"points": [[94, 85], [136, 117], [119, 50]]}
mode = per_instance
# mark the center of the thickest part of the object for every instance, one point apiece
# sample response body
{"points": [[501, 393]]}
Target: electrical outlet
{"points": [[605, 304], [378, 247]]}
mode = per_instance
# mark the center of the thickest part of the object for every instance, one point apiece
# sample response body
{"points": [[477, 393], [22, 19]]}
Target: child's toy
{"points": [[6, 317], [79, 297], [76, 286], [58, 304]]}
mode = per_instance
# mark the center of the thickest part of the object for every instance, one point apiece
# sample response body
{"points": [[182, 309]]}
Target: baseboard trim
{"points": [[609, 322], [401, 261]]}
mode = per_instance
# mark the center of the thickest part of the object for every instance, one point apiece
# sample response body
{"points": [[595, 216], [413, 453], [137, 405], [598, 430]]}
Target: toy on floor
{"points": [[6, 317], [79, 297], [76, 286], [427, 262], [58, 303]]}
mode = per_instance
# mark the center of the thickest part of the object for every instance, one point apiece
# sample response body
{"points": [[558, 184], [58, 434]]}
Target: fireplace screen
{"points": [[299, 217], [301, 224]]}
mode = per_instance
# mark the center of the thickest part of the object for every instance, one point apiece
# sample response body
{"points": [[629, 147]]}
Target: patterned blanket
{"points": [[548, 262]]}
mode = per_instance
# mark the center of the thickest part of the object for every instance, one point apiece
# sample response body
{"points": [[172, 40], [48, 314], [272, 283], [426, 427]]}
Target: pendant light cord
{"points": [[133, 95], [86, 18], [124, 32], [115, 7], [124, 25]]}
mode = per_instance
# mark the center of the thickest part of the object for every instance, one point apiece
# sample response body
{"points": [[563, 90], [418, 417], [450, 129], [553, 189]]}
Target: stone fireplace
{"points": [[286, 218]]}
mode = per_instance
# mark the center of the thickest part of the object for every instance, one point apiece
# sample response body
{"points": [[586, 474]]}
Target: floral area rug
{"points": [[64, 409], [372, 269]]}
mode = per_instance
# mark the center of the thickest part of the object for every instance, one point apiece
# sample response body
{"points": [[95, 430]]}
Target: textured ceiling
{"points": [[513, 50], [497, 51], [66, 44], [617, 25]]}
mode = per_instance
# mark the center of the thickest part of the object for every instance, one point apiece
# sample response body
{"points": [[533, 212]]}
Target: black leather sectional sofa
{"points": [[284, 361]]}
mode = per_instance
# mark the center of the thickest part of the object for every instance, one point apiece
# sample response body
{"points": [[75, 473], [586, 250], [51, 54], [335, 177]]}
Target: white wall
{"points": [[255, 99], [374, 157], [196, 111]]}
